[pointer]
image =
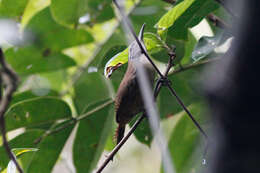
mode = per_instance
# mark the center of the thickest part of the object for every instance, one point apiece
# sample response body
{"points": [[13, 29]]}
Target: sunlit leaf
{"points": [[184, 15], [12, 8]]}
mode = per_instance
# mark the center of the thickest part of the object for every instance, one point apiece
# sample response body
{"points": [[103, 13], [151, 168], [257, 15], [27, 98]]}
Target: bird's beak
{"points": [[141, 33]]}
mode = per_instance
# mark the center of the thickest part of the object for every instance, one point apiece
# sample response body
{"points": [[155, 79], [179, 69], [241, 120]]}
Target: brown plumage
{"points": [[128, 100]]}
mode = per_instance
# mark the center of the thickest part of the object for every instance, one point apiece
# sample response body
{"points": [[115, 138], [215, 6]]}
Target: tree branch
{"points": [[10, 79]]}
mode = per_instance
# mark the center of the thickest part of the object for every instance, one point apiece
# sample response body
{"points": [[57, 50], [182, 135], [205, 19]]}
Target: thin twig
{"points": [[120, 144], [218, 22], [193, 65], [10, 78]]}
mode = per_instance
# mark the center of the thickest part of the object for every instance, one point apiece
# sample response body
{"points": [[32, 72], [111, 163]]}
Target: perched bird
{"points": [[128, 101]]}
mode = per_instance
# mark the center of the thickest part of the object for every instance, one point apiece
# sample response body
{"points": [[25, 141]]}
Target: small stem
{"points": [[120, 144], [9, 77]]}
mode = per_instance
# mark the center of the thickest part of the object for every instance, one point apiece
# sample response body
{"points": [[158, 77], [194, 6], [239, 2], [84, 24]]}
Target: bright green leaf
{"points": [[184, 15], [37, 111], [12, 8], [94, 131]]}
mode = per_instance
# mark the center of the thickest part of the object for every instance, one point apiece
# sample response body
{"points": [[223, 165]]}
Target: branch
{"points": [[218, 22], [10, 79], [193, 65]]}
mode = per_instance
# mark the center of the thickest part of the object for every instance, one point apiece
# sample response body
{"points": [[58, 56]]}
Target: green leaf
{"points": [[54, 37], [11, 168], [143, 133], [205, 46], [20, 151], [152, 43], [184, 139], [90, 87], [37, 111], [94, 131], [29, 94], [68, 12], [12, 8], [183, 84], [36, 61], [184, 15], [50, 148], [24, 140]]}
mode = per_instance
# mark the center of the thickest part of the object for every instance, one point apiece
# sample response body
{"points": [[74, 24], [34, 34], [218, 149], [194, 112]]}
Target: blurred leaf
{"points": [[11, 167], [152, 43], [35, 112], [184, 139], [189, 46], [54, 37], [12, 8], [184, 15], [50, 148], [68, 11], [90, 87], [29, 94], [31, 60], [148, 12], [94, 131], [24, 140], [143, 133], [183, 84], [205, 46]]}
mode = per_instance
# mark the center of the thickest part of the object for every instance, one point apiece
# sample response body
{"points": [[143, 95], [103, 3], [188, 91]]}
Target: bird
{"points": [[128, 100]]}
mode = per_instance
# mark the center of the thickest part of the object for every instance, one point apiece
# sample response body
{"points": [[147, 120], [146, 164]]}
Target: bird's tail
{"points": [[119, 133]]}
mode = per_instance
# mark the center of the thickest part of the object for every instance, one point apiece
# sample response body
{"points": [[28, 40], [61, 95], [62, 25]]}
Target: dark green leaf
{"points": [[90, 87], [143, 133], [36, 111], [184, 139], [24, 140], [29, 94], [54, 37], [50, 148], [91, 137], [183, 84], [31, 60]]}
